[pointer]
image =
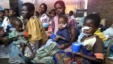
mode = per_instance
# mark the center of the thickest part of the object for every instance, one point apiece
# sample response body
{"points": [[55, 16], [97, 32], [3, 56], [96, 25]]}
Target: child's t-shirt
{"points": [[20, 39], [64, 33]]}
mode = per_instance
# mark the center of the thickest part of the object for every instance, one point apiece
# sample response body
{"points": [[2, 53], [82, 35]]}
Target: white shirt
{"points": [[44, 19], [5, 23]]}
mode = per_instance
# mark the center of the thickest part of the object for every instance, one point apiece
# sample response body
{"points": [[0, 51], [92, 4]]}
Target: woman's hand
{"points": [[78, 54], [61, 46]]}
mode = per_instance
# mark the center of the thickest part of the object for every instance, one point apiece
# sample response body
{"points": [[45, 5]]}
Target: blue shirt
{"points": [[64, 33]]}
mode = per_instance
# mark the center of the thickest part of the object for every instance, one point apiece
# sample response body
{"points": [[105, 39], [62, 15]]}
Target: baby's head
{"points": [[91, 24], [17, 23], [62, 22]]}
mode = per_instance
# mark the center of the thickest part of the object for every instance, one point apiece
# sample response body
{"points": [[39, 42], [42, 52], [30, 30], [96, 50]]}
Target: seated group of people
{"points": [[26, 37]]}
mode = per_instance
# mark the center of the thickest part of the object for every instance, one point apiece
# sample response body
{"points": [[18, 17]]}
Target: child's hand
{"points": [[62, 46], [57, 38], [27, 36]]}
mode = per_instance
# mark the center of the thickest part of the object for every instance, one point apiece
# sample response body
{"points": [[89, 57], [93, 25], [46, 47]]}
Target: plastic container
{"points": [[45, 25], [53, 36], [76, 47]]}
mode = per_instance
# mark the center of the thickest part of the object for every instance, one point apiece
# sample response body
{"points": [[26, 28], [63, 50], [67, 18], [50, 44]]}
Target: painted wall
{"points": [[103, 7], [4, 3]]}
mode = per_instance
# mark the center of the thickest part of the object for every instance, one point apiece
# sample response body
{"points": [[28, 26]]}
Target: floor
{"points": [[3, 55]]}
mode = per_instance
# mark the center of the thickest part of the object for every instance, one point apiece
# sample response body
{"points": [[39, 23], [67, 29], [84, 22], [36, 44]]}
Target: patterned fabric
{"points": [[62, 57], [88, 44], [45, 53]]}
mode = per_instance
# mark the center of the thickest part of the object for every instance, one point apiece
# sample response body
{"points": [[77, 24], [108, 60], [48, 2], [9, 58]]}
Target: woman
{"points": [[48, 57], [60, 10]]}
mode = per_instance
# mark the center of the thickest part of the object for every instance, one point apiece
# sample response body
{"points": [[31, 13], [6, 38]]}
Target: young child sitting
{"points": [[62, 33], [18, 34]]}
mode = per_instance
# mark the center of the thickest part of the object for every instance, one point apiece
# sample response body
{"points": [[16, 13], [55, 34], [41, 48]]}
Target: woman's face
{"points": [[89, 26], [59, 9], [24, 11], [41, 9]]}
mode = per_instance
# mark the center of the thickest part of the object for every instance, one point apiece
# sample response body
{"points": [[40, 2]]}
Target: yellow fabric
{"points": [[35, 29], [101, 35]]}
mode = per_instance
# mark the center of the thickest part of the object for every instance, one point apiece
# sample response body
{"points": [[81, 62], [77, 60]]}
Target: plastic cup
{"points": [[45, 25], [76, 47], [53, 36]]}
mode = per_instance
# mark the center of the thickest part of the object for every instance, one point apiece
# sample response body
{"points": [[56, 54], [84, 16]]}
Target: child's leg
{"points": [[23, 48], [33, 54], [37, 45]]}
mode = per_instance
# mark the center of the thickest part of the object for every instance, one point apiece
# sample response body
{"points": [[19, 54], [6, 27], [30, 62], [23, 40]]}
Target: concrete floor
{"points": [[3, 55]]}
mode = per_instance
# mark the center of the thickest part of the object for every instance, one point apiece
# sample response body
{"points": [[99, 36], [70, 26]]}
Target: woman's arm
{"points": [[72, 32]]}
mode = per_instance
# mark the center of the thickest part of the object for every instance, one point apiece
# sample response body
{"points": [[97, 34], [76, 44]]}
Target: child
{"points": [[7, 24], [92, 51], [33, 27], [18, 33], [52, 14], [62, 33], [43, 16], [36, 14]]}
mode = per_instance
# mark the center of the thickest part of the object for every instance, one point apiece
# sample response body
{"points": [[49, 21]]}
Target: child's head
{"points": [[6, 12], [91, 24], [52, 13], [62, 21], [17, 23], [60, 7], [27, 10], [42, 8], [36, 13], [1, 13], [12, 12], [70, 13]]}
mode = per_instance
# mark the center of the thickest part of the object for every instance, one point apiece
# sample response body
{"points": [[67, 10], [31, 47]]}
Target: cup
{"points": [[76, 47], [53, 36], [45, 25]]}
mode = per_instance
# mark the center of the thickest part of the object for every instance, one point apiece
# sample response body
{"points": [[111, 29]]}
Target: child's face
{"points": [[6, 13], [25, 12], [52, 14], [59, 9], [89, 26], [61, 23], [11, 13], [18, 27], [41, 9]]}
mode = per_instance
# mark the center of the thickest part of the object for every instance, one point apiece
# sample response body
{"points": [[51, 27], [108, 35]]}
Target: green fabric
{"points": [[45, 54], [20, 39]]}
